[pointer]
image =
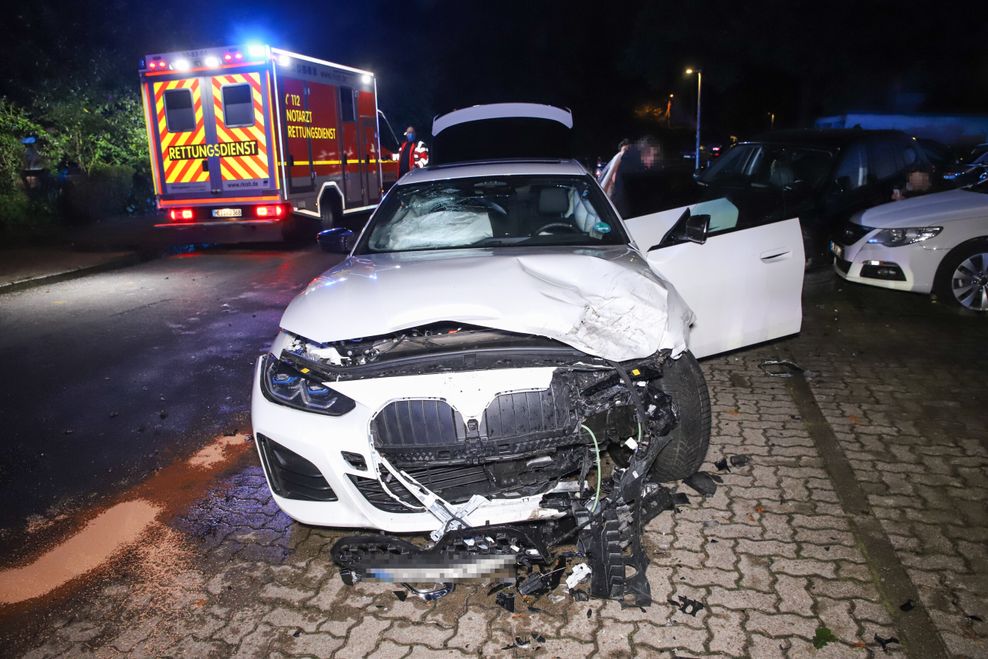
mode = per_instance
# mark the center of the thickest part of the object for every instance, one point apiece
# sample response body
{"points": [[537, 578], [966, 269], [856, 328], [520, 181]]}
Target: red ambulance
{"points": [[255, 135]]}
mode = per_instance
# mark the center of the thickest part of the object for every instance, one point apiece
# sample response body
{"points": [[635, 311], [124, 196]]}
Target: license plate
{"points": [[838, 250], [228, 212]]}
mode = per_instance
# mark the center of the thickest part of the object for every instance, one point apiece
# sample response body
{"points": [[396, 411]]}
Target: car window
{"points": [[495, 211], [772, 165], [733, 163], [852, 170], [883, 160]]}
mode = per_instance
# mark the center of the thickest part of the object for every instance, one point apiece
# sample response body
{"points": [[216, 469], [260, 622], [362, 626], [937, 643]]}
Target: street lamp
{"points": [[699, 88]]}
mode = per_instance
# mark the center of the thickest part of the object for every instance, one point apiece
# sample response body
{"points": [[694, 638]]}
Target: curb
{"points": [[42, 280]]}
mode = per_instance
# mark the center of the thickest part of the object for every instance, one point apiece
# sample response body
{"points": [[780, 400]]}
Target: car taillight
{"points": [[273, 211], [181, 214]]}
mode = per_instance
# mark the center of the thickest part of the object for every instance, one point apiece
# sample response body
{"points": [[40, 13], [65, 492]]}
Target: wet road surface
{"points": [[112, 376]]}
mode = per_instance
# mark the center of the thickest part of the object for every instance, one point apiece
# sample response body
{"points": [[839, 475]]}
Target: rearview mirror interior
{"points": [[688, 228], [336, 240]]}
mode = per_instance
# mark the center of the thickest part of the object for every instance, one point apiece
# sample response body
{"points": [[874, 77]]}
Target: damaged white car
{"points": [[503, 362]]}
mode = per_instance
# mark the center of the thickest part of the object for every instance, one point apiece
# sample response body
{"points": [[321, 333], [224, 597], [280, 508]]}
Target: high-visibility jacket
{"points": [[411, 155]]}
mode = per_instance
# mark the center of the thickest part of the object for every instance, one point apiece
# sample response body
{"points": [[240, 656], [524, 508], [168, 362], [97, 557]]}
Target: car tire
{"points": [[969, 257], [683, 380], [293, 228]]}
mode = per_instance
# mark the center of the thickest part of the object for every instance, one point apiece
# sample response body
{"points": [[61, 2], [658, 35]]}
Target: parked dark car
{"points": [[968, 173], [820, 176]]}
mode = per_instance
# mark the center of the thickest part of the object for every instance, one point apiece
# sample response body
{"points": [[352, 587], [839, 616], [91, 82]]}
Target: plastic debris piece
{"points": [[722, 465], [534, 585], [687, 605], [580, 572], [402, 595], [506, 601], [538, 638], [432, 595], [702, 483], [680, 499], [589, 614], [740, 460], [580, 595], [716, 478], [534, 609], [908, 605], [297, 633], [885, 642]]}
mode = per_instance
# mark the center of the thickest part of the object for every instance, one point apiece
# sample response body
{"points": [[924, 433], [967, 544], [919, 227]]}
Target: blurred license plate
{"points": [[228, 212], [838, 250]]}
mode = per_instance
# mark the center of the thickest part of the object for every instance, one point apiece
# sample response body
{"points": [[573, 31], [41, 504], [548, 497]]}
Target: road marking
{"points": [[99, 540], [916, 629]]}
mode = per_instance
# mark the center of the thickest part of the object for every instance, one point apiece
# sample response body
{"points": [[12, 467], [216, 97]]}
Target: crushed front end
{"points": [[502, 446]]}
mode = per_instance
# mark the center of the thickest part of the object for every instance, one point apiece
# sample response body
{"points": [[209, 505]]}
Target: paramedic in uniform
{"points": [[411, 154]]}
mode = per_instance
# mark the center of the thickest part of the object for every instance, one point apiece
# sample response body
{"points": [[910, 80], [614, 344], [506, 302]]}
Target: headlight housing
{"points": [[284, 384], [900, 237]]}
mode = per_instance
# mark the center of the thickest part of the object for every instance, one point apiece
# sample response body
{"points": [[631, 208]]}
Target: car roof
{"points": [[494, 168], [826, 138]]}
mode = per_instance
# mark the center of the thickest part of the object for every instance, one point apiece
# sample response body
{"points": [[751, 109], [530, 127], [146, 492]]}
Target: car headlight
{"points": [[900, 237], [284, 384]]}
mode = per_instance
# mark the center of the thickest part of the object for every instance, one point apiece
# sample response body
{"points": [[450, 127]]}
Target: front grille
{"points": [[292, 476], [851, 233], [516, 423]]}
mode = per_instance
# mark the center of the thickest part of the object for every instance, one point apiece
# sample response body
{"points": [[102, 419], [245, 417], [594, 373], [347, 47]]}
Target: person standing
{"points": [[412, 153]]}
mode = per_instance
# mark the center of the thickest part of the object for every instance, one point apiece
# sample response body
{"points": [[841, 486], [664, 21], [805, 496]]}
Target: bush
{"points": [[106, 190]]}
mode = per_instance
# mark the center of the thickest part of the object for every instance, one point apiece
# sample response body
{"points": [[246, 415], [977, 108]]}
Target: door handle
{"points": [[775, 255]]}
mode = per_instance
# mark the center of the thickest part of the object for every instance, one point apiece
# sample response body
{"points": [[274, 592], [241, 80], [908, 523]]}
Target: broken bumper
{"points": [[325, 470]]}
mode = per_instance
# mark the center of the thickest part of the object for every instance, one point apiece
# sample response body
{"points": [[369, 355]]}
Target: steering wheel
{"points": [[556, 225]]}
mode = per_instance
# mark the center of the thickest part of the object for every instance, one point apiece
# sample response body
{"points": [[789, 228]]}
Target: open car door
{"points": [[743, 283]]}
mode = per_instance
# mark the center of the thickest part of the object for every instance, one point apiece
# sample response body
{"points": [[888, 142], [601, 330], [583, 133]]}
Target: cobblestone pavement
{"points": [[773, 556]]}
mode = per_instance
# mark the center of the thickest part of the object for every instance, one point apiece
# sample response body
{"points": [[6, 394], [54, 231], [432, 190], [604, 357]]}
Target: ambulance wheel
{"points": [[297, 228], [329, 212]]}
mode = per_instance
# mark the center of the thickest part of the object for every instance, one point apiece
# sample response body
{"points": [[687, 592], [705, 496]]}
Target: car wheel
{"points": [[683, 380], [962, 277]]}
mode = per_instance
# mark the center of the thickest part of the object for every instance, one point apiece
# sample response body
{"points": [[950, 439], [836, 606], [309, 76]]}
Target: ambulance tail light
{"points": [[271, 211], [181, 215]]}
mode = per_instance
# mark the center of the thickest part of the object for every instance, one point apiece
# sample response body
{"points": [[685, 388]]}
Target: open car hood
{"points": [[602, 301]]}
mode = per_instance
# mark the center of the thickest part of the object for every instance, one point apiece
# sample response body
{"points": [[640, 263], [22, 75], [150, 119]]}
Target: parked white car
{"points": [[935, 243], [500, 347]]}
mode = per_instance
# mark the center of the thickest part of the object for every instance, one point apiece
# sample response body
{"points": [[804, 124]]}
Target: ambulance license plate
{"points": [[228, 212]]}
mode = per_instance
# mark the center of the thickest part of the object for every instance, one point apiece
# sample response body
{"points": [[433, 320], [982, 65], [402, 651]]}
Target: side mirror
{"points": [[688, 228], [336, 241]]}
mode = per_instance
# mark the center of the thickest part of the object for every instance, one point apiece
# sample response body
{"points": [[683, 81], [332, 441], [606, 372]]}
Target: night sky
{"points": [[797, 59]]}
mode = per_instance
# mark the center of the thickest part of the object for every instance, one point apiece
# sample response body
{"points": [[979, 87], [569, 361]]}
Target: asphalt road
{"points": [[112, 376]]}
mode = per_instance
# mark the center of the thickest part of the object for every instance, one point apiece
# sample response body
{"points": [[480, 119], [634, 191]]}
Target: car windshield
{"points": [[494, 211], [770, 165]]}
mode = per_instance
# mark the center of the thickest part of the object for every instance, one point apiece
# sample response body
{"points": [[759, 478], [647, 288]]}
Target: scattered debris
{"points": [[580, 595], [589, 614], [534, 585], [822, 637], [534, 609], [780, 368], [498, 587], [519, 643], [506, 601], [703, 483], [297, 633], [402, 595], [908, 605], [885, 642], [740, 460], [580, 572], [538, 638], [230, 433], [687, 605], [974, 617], [431, 595]]}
